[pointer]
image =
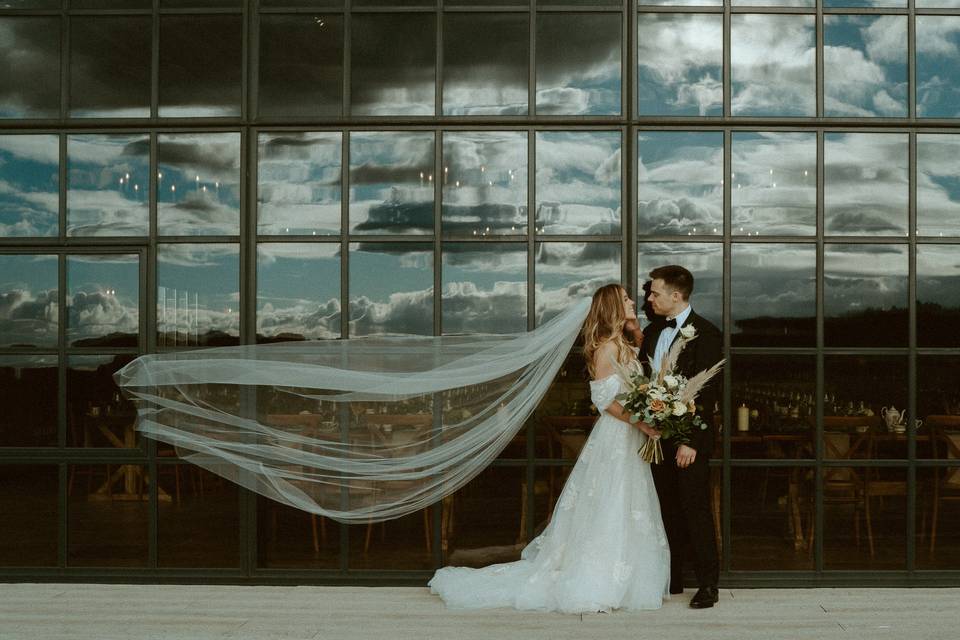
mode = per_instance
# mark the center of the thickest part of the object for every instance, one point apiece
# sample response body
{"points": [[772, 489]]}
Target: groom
{"points": [[683, 478]]}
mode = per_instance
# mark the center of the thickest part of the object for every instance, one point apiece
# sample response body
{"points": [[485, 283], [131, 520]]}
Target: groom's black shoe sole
{"points": [[675, 591], [705, 598]]}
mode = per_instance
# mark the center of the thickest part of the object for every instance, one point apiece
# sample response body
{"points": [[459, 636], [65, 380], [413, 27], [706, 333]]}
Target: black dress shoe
{"points": [[676, 590], [705, 598]]}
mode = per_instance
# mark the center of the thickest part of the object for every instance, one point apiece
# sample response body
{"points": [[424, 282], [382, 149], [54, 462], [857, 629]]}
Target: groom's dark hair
{"points": [[675, 277]]}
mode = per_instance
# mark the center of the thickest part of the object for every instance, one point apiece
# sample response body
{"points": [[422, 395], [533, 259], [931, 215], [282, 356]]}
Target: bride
{"points": [[605, 547]]}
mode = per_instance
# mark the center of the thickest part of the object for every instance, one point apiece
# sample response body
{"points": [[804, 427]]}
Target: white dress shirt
{"points": [[666, 338]]}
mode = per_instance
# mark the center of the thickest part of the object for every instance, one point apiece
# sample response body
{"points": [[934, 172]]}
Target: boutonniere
{"points": [[688, 332]]}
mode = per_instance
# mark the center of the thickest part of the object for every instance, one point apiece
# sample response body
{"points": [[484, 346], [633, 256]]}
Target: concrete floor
{"points": [[146, 612]]}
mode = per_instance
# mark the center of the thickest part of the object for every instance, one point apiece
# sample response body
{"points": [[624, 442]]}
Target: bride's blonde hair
{"points": [[605, 322]]}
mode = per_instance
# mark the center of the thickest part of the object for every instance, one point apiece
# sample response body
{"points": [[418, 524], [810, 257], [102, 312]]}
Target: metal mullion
{"points": [[64, 66], [865, 11], [911, 62], [345, 237], [532, 24], [818, 428], [247, 500], [62, 295], [486, 9], [531, 427], [726, 64], [628, 263], [388, 9], [631, 82], [681, 9], [819, 70], [912, 333], [249, 42], [63, 479], [213, 11], [726, 476]]}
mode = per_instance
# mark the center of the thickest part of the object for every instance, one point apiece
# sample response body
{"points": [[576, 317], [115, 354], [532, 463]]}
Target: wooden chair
{"points": [[844, 438], [945, 487]]}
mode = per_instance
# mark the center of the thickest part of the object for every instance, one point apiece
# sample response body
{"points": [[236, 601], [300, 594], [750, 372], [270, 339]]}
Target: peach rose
{"points": [[657, 406]]}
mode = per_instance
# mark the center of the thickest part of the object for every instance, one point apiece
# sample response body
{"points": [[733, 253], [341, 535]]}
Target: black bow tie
{"points": [[672, 323]]}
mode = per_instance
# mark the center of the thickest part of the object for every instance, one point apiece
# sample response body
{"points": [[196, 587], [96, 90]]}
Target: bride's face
{"points": [[629, 306]]}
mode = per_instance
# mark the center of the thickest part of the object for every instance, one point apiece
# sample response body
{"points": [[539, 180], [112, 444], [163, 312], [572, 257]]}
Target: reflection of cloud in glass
{"points": [[938, 75], [29, 179], [198, 294], [391, 289], [705, 262], [865, 295], [578, 182], [772, 62], [391, 182], [103, 300], [393, 64], [298, 290], [938, 295], [578, 63], [28, 300], [771, 283], [680, 64], [108, 184], [198, 184], [568, 271], [30, 84], [485, 183], [865, 183], [201, 65], [680, 176], [938, 184], [298, 179], [865, 66], [485, 63], [110, 66], [484, 288], [774, 183]]}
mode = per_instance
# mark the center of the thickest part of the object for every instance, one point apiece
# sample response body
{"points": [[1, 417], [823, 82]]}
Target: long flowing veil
{"points": [[356, 430]]}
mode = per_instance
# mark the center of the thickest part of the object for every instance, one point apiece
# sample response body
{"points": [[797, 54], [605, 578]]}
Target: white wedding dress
{"points": [[605, 547]]}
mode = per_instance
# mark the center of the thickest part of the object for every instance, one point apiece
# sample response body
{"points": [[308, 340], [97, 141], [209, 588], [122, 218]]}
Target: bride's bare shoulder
{"points": [[602, 359]]}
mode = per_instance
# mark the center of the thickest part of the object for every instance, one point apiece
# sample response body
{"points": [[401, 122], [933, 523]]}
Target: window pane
{"points": [[566, 271], [198, 521], [774, 294], [298, 188], [865, 66], [863, 393], [774, 184], [578, 63], [100, 416], [301, 65], [108, 185], [28, 500], [110, 66], [200, 66], [938, 295], [198, 295], [198, 185], [578, 182], [865, 3], [402, 303], [882, 543], [30, 53], [484, 287], [771, 517], [485, 183], [940, 488], [938, 79], [932, 4], [772, 65], [199, 4], [680, 64], [292, 538], [681, 3], [391, 182], [773, 3], [108, 4], [865, 184], [705, 262], [680, 189], [29, 165], [485, 64], [865, 295], [103, 300], [938, 185], [774, 406], [393, 64], [107, 529], [938, 406], [398, 544], [28, 300], [28, 395], [298, 291]]}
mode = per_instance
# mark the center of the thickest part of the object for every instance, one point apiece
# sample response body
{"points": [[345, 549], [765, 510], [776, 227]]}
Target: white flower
{"points": [[679, 408], [671, 382], [688, 332]]}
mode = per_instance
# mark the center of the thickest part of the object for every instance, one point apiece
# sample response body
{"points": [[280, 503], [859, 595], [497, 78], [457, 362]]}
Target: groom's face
{"points": [[664, 300]]}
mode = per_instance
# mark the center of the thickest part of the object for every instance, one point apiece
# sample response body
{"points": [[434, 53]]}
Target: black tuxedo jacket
{"points": [[699, 354]]}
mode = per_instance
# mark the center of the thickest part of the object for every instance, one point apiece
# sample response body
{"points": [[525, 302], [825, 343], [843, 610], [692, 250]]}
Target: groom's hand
{"points": [[685, 456], [633, 332]]}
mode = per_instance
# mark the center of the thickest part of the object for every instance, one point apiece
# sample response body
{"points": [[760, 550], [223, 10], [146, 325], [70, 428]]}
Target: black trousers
{"points": [[685, 505]]}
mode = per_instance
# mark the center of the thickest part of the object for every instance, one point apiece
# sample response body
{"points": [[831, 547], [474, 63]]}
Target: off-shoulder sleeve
{"points": [[604, 391]]}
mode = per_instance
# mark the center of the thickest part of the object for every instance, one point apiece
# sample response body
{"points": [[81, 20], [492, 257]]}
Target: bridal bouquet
{"points": [[665, 401]]}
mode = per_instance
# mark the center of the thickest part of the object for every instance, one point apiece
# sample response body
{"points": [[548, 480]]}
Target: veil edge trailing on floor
{"points": [[358, 430]]}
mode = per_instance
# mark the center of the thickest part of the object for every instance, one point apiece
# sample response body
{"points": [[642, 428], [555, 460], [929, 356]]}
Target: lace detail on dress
{"points": [[604, 391]]}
